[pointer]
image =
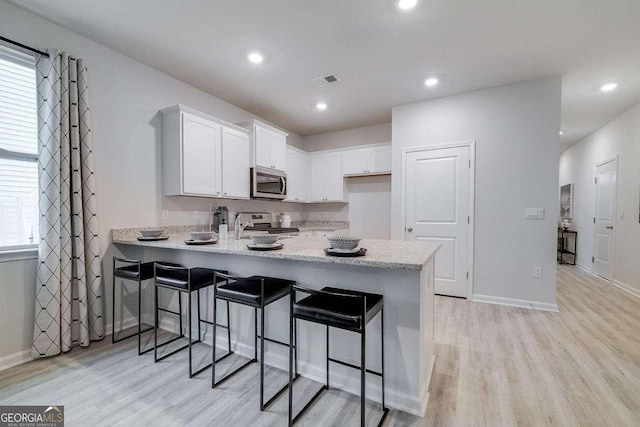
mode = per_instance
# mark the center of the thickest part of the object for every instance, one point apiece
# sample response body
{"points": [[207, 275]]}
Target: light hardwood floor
{"points": [[495, 366]]}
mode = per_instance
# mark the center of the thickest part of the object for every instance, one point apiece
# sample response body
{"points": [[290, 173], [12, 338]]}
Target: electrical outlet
{"points": [[165, 214], [537, 272]]}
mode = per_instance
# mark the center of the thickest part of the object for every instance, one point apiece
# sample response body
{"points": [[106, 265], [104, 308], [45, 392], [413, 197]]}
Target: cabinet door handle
{"points": [[225, 194], [610, 227], [409, 229]]}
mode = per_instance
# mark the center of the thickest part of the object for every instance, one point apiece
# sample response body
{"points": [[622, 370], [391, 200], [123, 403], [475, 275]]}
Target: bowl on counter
{"points": [[343, 242], [202, 235], [151, 233], [265, 239]]}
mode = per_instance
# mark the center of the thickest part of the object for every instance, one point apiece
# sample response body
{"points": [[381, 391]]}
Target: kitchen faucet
{"points": [[238, 228]]}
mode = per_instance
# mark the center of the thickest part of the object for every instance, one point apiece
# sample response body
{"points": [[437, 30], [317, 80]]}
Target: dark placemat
{"points": [[361, 252]]}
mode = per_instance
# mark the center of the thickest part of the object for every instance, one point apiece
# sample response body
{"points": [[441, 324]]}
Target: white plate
{"points": [[152, 239], [344, 251], [265, 245]]}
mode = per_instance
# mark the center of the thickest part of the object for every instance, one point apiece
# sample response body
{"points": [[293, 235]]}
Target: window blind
{"points": [[18, 150]]}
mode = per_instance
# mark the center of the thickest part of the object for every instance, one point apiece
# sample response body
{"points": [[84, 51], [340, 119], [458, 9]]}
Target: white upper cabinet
{"points": [[367, 161], [327, 183], [279, 151], [203, 156], [200, 156], [235, 164], [297, 175], [354, 162], [268, 145]]}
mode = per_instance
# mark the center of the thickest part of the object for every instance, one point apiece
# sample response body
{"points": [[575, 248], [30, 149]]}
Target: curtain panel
{"points": [[69, 307]]}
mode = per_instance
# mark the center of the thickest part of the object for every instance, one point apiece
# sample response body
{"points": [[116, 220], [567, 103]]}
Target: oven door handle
{"points": [[284, 185]]}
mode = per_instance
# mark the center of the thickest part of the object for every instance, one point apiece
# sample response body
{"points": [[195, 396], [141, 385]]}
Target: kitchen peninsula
{"points": [[402, 271]]}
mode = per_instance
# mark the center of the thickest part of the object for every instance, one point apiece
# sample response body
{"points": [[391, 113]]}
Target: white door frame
{"points": [[472, 192], [615, 218]]}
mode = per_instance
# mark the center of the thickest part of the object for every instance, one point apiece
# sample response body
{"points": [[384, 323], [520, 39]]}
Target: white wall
{"points": [[620, 137], [125, 97], [517, 150], [348, 138]]}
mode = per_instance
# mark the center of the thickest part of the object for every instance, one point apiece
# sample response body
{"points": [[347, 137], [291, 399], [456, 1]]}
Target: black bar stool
{"points": [[343, 309], [137, 271], [257, 292], [184, 280]]}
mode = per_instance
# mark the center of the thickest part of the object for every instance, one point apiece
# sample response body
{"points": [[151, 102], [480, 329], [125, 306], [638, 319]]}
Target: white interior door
{"points": [[604, 218], [437, 210]]}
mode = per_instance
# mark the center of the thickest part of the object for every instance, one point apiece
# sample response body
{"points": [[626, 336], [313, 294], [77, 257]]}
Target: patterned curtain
{"points": [[69, 308]]}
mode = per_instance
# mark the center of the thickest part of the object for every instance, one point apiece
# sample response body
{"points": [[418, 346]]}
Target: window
{"points": [[18, 151]]}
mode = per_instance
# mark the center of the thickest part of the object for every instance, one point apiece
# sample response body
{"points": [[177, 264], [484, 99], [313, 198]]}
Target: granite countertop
{"points": [[393, 254]]}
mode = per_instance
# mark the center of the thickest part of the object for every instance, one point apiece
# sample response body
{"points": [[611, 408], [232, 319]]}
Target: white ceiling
{"points": [[380, 56]]}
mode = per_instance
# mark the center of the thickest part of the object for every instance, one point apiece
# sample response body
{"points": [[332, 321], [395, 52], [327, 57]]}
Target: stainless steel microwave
{"points": [[268, 183]]}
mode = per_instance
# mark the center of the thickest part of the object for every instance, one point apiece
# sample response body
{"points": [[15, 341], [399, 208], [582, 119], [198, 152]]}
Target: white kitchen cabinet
{"points": [[367, 161], [235, 164], [354, 162], [297, 175], [268, 145], [203, 156], [327, 183], [200, 156]]}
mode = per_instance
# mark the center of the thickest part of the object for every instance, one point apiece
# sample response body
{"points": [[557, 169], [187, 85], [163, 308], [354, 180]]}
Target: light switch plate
{"points": [[534, 213]]}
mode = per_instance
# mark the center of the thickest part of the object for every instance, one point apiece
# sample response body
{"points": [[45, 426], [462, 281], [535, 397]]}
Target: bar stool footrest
{"points": [[349, 365], [309, 403], [225, 378], [135, 334]]}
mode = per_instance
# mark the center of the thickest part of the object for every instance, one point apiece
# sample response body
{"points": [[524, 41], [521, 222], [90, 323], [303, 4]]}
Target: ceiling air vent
{"points": [[325, 80]]}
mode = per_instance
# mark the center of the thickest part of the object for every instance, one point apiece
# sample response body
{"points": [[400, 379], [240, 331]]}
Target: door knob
{"points": [[409, 229], [610, 227]]}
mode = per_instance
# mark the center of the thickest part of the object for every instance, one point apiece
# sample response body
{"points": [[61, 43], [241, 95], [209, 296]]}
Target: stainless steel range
{"points": [[263, 221]]}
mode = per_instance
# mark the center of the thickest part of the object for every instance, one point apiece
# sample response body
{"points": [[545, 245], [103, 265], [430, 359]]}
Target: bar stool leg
{"points": [[180, 311], [113, 303], [363, 371], [228, 329], [382, 358], [139, 316], [189, 323], [327, 361], [199, 328], [155, 322], [214, 334], [292, 322], [262, 358], [255, 338]]}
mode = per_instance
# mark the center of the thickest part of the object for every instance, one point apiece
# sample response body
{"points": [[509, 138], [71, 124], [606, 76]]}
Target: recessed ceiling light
{"points": [[321, 106], [255, 57], [431, 82], [560, 133], [407, 4], [608, 87]]}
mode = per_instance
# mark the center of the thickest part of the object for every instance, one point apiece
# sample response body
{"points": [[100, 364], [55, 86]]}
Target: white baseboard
{"points": [[512, 302], [15, 359], [125, 324], [349, 383], [628, 288], [583, 268]]}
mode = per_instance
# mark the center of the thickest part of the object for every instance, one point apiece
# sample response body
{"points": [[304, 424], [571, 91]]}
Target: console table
{"points": [[564, 249]]}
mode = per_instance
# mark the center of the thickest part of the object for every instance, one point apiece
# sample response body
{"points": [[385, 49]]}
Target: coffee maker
{"points": [[220, 216]]}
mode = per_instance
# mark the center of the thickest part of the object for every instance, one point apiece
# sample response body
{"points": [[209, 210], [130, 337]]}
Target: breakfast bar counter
{"points": [[402, 271]]}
